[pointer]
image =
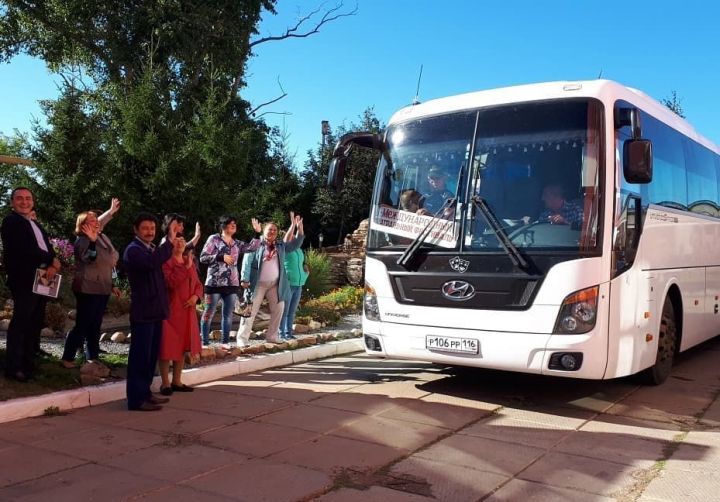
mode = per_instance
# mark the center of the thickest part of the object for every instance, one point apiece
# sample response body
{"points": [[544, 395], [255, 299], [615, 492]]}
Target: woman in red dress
{"points": [[181, 332]]}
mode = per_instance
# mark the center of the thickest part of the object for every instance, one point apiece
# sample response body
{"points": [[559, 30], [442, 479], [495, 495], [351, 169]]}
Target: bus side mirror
{"points": [[336, 173], [637, 161]]}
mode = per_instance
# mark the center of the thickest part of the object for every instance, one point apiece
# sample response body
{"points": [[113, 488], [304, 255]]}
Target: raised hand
{"points": [[197, 230], [114, 205], [173, 230], [90, 231], [256, 225]]}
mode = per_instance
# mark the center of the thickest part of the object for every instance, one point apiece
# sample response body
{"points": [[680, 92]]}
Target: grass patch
{"points": [[114, 360], [50, 377]]}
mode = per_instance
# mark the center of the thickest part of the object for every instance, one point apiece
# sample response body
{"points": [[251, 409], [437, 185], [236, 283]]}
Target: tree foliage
{"points": [[674, 103], [340, 213]]}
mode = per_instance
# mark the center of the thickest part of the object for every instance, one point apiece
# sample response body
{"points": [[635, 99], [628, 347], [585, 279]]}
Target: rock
{"points": [[119, 337], [253, 349], [4, 324], [215, 334], [220, 352], [300, 328], [236, 351], [9, 304], [72, 315], [306, 341], [327, 337], [207, 352], [269, 347], [47, 333], [105, 337], [357, 332], [95, 369], [292, 344], [355, 271], [90, 380], [323, 324], [282, 346], [314, 325]]}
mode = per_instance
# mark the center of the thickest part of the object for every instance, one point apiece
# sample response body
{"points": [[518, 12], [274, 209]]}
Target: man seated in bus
{"points": [[559, 211], [410, 200], [433, 200]]}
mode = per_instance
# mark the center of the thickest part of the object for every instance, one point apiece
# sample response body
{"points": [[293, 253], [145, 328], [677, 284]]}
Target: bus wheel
{"points": [[667, 346]]}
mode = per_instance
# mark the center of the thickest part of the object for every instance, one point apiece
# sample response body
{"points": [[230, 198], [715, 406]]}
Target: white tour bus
{"points": [[562, 228]]}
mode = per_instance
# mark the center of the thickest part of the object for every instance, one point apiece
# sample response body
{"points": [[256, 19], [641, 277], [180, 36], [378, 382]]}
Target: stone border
{"points": [[33, 406]]}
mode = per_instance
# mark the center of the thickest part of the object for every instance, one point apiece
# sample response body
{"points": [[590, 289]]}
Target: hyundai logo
{"points": [[458, 290]]}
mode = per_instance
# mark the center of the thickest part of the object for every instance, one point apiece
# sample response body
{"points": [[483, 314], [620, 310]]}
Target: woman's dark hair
{"points": [[225, 220], [169, 218]]}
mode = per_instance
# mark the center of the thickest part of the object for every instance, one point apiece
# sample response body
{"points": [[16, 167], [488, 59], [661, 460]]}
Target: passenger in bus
{"points": [[433, 200], [410, 200], [559, 211]]}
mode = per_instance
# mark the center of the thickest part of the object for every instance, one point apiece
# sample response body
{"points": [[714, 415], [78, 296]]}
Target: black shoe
{"points": [[182, 388], [167, 391], [147, 406], [19, 376], [157, 400]]}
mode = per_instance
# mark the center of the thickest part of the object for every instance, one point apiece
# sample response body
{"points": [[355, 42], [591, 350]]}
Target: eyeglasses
{"points": [[435, 177]]}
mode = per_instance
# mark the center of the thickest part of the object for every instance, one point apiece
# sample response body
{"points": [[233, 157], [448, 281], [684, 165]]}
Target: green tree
{"points": [[151, 106], [674, 103], [340, 213]]}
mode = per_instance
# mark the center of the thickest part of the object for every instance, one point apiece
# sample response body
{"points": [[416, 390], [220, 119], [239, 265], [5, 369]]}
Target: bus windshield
{"points": [[536, 166]]}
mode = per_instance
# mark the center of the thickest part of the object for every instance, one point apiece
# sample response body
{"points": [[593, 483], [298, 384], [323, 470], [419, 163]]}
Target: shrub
{"points": [[319, 279], [55, 316], [320, 310], [330, 307], [118, 306], [348, 299]]}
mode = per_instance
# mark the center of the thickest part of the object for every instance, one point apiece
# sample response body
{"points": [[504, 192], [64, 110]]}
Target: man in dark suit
{"points": [[148, 308], [26, 248]]}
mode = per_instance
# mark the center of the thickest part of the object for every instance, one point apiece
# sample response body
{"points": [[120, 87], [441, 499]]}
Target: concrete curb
{"points": [[64, 400]]}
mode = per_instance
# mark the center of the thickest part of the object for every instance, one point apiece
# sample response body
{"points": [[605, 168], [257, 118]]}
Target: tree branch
{"points": [[329, 16], [254, 110]]}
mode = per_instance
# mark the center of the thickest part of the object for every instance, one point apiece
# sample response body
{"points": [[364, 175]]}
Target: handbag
{"points": [[243, 308]]}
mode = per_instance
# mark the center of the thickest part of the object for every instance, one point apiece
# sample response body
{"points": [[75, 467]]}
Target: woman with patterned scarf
{"points": [[264, 273]]}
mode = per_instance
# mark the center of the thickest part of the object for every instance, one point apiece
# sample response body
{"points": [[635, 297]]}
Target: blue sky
{"points": [[373, 58]]}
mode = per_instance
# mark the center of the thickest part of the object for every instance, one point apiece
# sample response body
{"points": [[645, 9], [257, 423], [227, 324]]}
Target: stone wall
{"points": [[347, 262]]}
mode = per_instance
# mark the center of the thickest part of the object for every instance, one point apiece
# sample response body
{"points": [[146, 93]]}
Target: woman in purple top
{"points": [[221, 253]]}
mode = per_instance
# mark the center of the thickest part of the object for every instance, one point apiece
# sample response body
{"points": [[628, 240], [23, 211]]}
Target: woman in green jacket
{"points": [[297, 274]]}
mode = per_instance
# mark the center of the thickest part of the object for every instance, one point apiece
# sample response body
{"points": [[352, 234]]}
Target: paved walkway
{"points": [[353, 428]]}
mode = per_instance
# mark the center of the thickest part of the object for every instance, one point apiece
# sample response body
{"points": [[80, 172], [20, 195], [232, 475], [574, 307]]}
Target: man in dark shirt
{"points": [[558, 211], [148, 308], [433, 200], [26, 248]]}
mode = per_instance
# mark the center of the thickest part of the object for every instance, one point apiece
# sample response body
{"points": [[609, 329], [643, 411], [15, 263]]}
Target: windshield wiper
{"points": [[512, 251], [412, 249]]}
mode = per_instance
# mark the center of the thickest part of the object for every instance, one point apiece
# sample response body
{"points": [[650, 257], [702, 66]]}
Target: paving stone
{"points": [[409, 389], [620, 448], [95, 443], [311, 418], [696, 454], [422, 412], [86, 482], [32, 430], [446, 481], [510, 430], [257, 439], [674, 486], [175, 460], [527, 491], [222, 403], [21, 463], [461, 402], [360, 403], [388, 432], [177, 421], [633, 427], [580, 473], [372, 494], [482, 454], [259, 480], [555, 418], [323, 453], [649, 412], [181, 494]]}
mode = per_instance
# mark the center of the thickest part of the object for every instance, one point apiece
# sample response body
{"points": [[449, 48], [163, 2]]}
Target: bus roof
{"points": [[605, 90]]}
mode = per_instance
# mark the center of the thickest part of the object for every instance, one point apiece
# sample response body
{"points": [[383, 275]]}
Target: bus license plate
{"points": [[452, 344]]}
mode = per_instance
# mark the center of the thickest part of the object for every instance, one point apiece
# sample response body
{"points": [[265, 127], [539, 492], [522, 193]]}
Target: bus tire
{"points": [[667, 347]]}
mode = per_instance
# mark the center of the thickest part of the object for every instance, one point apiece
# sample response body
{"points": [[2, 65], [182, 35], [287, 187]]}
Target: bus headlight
{"points": [[578, 312], [370, 304]]}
